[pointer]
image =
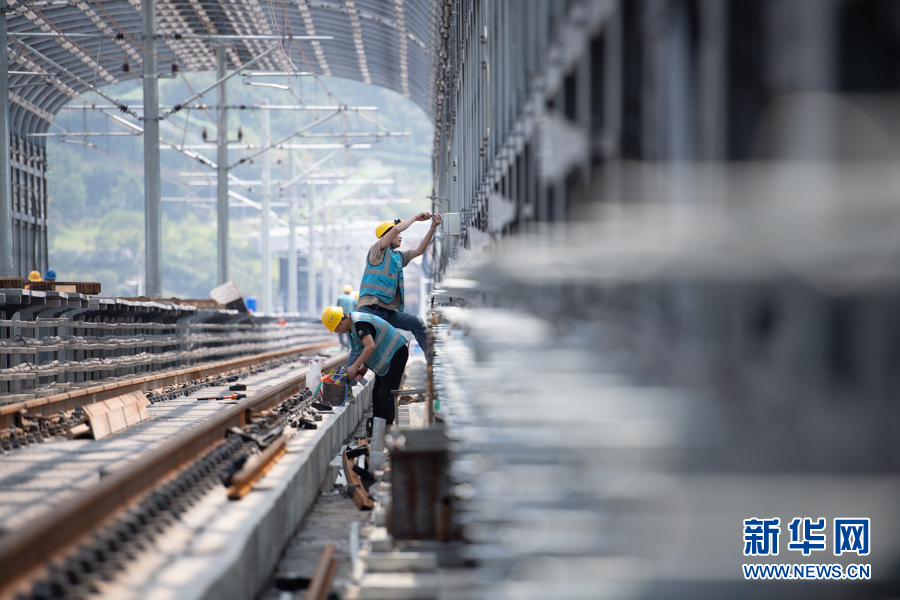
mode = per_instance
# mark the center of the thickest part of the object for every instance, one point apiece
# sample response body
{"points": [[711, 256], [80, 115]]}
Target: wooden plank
{"points": [[110, 416]]}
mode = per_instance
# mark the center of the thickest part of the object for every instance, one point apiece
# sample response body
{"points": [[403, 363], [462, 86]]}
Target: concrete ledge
{"points": [[381, 562], [398, 586], [380, 540], [224, 550]]}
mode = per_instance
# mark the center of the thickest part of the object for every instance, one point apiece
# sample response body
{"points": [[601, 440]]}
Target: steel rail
{"points": [[51, 405], [23, 552]]}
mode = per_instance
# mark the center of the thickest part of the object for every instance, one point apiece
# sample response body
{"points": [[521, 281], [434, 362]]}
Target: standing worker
{"points": [[378, 346], [347, 303], [381, 290]]}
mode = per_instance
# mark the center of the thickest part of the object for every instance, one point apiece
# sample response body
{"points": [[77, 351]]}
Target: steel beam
{"points": [[152, 192], [6, 239], [222, 168], [311, 265], [327, 259], [292, 243], [264, 228], [335, 248]]}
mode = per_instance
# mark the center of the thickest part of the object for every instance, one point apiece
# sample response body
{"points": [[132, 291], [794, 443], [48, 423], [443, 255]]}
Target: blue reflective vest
{"points": [[387, 342], [383, 280], [347, 303]]}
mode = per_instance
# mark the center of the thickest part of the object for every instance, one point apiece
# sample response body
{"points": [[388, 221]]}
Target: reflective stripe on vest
{"points": [[347, 303], [387, 342], [383, 280]]}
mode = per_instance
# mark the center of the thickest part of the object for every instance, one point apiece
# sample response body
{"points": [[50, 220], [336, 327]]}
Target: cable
{"points": [[194, 93]]}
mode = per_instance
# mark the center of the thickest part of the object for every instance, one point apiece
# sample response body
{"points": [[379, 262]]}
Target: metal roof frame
{"points": [[382, 42]]}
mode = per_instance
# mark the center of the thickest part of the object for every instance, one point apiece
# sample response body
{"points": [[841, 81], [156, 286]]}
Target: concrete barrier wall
{"points": [[237, 544]]}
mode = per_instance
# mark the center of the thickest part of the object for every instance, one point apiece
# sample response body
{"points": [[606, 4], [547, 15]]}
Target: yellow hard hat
{"points": [[348, 289], [382, 229], [331, 316], [34, 276]]}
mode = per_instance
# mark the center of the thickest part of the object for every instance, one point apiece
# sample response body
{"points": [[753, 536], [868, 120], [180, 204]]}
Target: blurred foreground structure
{"points": [[670, 304], [665, 294]]}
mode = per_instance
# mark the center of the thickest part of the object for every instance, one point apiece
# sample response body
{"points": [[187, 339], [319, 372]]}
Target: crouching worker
{"points": [[379, 347]]}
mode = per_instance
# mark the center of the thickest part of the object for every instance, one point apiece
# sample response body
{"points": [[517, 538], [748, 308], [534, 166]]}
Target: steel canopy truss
{"points": [[93, 43], [377, 41]]}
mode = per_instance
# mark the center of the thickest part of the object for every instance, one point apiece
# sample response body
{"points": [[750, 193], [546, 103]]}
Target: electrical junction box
{"points": [[451, 222]]}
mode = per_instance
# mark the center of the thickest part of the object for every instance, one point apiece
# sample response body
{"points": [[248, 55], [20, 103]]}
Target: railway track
{"points": [[36, 415], [68, 551]]}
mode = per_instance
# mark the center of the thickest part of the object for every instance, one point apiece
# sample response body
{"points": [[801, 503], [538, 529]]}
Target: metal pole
{"points": [[332, 242], [222, 167], [266, 250], [311, 264], [152, 193], [326, 256], [292, 243], [6, 246]]}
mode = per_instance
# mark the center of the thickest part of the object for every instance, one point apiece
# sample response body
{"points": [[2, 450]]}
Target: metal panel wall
{"points": [[513, 83], [29, 205]]}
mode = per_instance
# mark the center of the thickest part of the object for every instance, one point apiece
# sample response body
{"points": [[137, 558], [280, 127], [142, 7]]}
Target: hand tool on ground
{"points": [[230, 397]]}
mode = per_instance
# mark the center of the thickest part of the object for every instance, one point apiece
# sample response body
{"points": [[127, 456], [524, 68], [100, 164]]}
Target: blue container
{"points": [[251, 303]]}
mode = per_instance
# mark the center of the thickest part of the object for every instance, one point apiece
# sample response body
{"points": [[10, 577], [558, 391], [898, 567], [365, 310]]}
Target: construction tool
{"points": [[229, 397]]}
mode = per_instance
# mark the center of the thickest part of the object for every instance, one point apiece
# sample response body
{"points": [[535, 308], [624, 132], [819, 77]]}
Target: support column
{"points": [[222, 168], [326, 259], [264, 229], [6, 236], [152, 192], [311, 264], [292, 240], [335, 249]]}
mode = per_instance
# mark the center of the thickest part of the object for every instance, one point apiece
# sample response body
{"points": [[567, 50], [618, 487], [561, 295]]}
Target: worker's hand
{"points": [[436, 220], [423, 216], [353, 372]]}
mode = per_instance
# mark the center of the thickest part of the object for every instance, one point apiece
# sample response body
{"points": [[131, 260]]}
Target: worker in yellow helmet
{"points": [[347, 304], [381, 290], [377, 346], [33, 277]]}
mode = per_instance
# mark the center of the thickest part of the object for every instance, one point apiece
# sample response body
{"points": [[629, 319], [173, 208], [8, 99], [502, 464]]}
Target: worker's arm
{"points": [[359, 367], [388, 238], [420, 249]]}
